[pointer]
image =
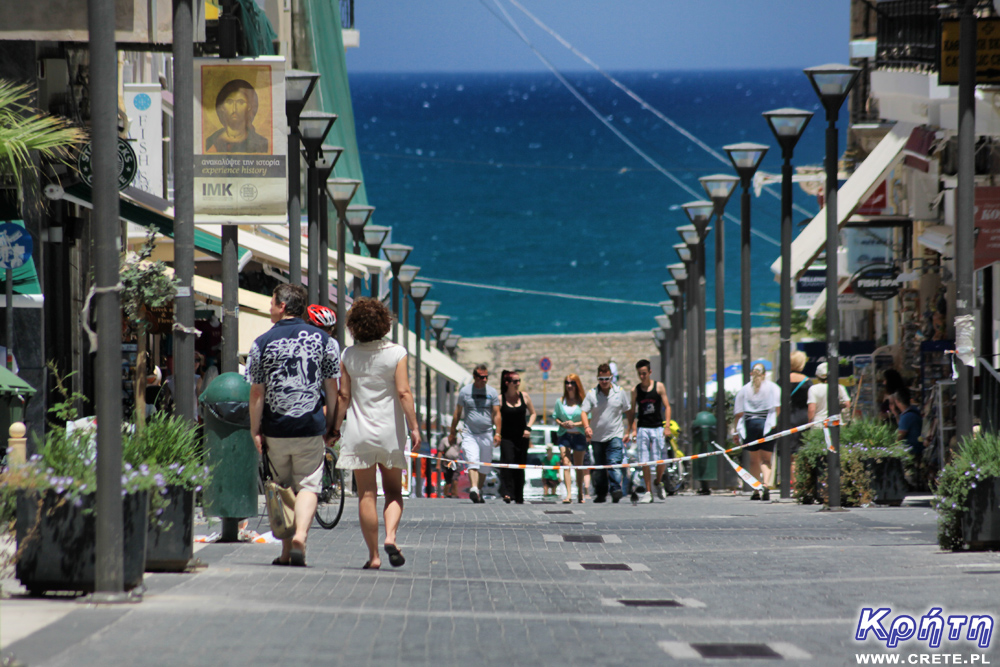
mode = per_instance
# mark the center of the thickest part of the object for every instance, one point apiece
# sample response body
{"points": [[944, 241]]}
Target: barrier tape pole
{"points": [[453, 465]]}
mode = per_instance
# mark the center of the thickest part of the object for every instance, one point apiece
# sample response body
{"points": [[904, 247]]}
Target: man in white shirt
{"points": [[605, 428]]}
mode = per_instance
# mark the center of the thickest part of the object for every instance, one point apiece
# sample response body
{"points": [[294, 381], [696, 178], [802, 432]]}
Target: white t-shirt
{"points": [[606, 412], [766, 400], [818, 394]]}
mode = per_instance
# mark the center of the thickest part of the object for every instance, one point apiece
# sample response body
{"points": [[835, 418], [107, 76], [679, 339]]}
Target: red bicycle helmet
{"points": [[321, 316]]}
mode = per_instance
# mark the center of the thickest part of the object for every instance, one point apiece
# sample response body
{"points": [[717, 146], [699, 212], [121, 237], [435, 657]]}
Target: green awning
{"points": [[148, 217], [12, 385]]}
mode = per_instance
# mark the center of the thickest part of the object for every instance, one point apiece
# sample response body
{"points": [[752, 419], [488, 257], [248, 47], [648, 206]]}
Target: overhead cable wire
{"points": [[642, 102], [614, 130]]}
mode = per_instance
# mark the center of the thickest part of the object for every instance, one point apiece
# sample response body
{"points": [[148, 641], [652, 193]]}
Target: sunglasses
{"points": [[605, 379]]}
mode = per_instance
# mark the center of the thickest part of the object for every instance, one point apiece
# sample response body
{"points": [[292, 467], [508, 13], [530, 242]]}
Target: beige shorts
{"points": [[298, 462]]}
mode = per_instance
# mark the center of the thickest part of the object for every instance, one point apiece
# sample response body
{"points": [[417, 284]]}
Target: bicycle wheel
{"points": [[331, 496]]}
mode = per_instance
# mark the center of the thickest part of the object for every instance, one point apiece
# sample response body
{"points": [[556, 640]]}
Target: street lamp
{"points": [[407, 274], [299, 85], [328, 156], [832, 83], [375, 236], [396, 253], [341, 191], [313, 127], [787, 126], [746, 157]]}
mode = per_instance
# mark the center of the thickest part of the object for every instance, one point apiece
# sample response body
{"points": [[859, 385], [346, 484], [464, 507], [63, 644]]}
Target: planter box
{"points": [[170, 540], [59, 554], [888, 481], [981, 523]]}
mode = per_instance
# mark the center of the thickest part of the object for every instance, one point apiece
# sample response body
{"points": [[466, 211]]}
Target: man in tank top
{"points": [[650, 427]]}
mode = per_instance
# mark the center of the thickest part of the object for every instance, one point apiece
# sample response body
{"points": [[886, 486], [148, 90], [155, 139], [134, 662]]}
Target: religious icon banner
{"points": [[240, 141]]}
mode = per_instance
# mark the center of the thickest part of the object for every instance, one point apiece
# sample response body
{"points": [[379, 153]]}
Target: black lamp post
{"points": [[832, 84], [746, 158], [396, 253], [719, 188], [407, 274], [787, 126], [341, 191], [375, 236], [357, 217], [314, 126], [699, 213], [328, 156], [418, 292], [299, 85]]}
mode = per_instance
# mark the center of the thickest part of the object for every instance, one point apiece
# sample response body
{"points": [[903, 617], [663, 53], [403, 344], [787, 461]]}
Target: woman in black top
{"points": [[517, 414]]}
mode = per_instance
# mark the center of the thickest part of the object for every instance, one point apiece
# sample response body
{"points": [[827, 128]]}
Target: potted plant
{"points": [[173, 448], [872, 466], [968, 495]]}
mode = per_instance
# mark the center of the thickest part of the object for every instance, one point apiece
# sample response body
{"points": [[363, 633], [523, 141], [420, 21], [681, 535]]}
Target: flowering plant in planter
{"points": [[867, 448], [976, 462]]}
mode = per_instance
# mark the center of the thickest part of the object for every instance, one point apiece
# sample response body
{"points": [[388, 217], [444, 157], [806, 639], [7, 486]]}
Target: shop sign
{"points": [[987, 52], [808, 287], [876, 282], [987, 233], [144, 108], [240, 140]]}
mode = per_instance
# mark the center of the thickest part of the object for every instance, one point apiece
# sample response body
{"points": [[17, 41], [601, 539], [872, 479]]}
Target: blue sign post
{"points": [[15, 250]]}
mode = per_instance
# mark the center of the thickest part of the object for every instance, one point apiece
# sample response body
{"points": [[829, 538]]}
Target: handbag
{"points": [[280, 502]]}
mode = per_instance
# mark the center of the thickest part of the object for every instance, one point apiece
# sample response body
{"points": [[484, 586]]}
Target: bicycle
{"points": [[330, 499]]}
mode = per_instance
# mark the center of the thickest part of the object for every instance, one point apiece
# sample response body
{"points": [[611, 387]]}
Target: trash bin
{"points": [[702, 434], [232, 493]]}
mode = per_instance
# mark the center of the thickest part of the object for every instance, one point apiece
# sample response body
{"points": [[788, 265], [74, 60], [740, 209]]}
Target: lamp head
{"points": [[313, 127], [832, 84], [719, 188], [746, 157], [787, 125], [396, 253]]}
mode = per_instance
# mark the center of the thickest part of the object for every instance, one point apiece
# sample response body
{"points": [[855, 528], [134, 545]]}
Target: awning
{"points": [[27, 290], [812, 240]]}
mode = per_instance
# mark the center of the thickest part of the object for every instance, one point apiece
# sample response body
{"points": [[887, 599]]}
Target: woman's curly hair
{"points": [[368, 320]]}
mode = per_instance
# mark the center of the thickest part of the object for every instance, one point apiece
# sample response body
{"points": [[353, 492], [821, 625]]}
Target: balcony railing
{"points": [[347, 14], [908, 34]]}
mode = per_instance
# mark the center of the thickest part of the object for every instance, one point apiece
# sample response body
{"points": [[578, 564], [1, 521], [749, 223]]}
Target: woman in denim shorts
{"points": [[572, 440]]}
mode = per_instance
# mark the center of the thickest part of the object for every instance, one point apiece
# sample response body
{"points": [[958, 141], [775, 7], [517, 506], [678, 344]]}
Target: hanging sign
{"points": [[876, 282], [240, 141], [128, 165]]}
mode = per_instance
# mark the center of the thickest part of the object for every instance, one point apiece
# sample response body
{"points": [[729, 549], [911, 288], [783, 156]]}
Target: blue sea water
{"points": [[506, 179]]}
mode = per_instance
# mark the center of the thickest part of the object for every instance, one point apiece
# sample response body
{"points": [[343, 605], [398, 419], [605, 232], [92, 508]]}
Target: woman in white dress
{"points": [[375, 392], [756, 410]]}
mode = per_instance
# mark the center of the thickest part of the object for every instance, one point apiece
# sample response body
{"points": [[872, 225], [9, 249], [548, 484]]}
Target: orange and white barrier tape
{"points": [[825, 423]]}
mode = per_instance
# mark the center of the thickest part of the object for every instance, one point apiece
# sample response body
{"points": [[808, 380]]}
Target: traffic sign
{"points": [[545, 364], [15, 246]]}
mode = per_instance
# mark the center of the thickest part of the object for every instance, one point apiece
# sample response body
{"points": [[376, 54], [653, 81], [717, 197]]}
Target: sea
{"points": [[517, 199]]}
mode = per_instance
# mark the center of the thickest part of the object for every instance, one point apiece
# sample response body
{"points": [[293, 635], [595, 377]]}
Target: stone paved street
{"points": [[497, 584]]}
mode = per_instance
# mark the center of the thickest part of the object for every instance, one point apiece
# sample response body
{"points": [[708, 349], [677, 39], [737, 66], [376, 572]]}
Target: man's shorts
{"points": [[650, 444], [298, 462], [478, 450]]}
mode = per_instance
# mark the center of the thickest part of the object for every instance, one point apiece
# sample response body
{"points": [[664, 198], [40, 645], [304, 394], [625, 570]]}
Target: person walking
{"points": [[816, 407], [797, 403], [294, 370], [480, 404], [376, 391], [650, 429], [757, 405], [608, 403], [517, 415], [571, 438]]}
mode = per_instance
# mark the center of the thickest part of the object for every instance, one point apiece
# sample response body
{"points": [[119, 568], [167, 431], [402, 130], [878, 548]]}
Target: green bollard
{"points": [[232, 493]]}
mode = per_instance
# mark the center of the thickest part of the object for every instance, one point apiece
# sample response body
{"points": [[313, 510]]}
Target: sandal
{"points": [[395, 555]]}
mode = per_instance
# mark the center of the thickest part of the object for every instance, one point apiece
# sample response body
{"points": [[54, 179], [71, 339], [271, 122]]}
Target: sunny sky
{"points": [[468, 35]]}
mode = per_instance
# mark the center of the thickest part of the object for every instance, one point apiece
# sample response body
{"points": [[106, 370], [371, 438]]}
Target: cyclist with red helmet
{"points": [[322, 317]]}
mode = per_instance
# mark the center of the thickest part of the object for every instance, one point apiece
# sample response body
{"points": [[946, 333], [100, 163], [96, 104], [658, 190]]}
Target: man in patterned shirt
{"points": [[294, 370]]}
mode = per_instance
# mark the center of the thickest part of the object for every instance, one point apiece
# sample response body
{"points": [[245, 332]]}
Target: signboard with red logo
{"points": [[987, 232]]}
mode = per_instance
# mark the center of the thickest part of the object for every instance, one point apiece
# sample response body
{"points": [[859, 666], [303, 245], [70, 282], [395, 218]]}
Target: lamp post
{"points": [[328, 156], [719, 188], [396, 253], [357, 217], [341, 191], [375, 236], [407, 274], [418, 292], [699, 213], [313, 127], [299, 85], [746, 158], [832, 83], [787, 126]]}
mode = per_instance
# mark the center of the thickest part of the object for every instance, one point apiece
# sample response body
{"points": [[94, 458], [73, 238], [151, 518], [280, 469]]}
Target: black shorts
{"points": [[755, 431]]}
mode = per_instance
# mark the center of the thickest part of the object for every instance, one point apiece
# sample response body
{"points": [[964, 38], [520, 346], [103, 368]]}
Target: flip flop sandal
{"points": [[395, 555]]}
